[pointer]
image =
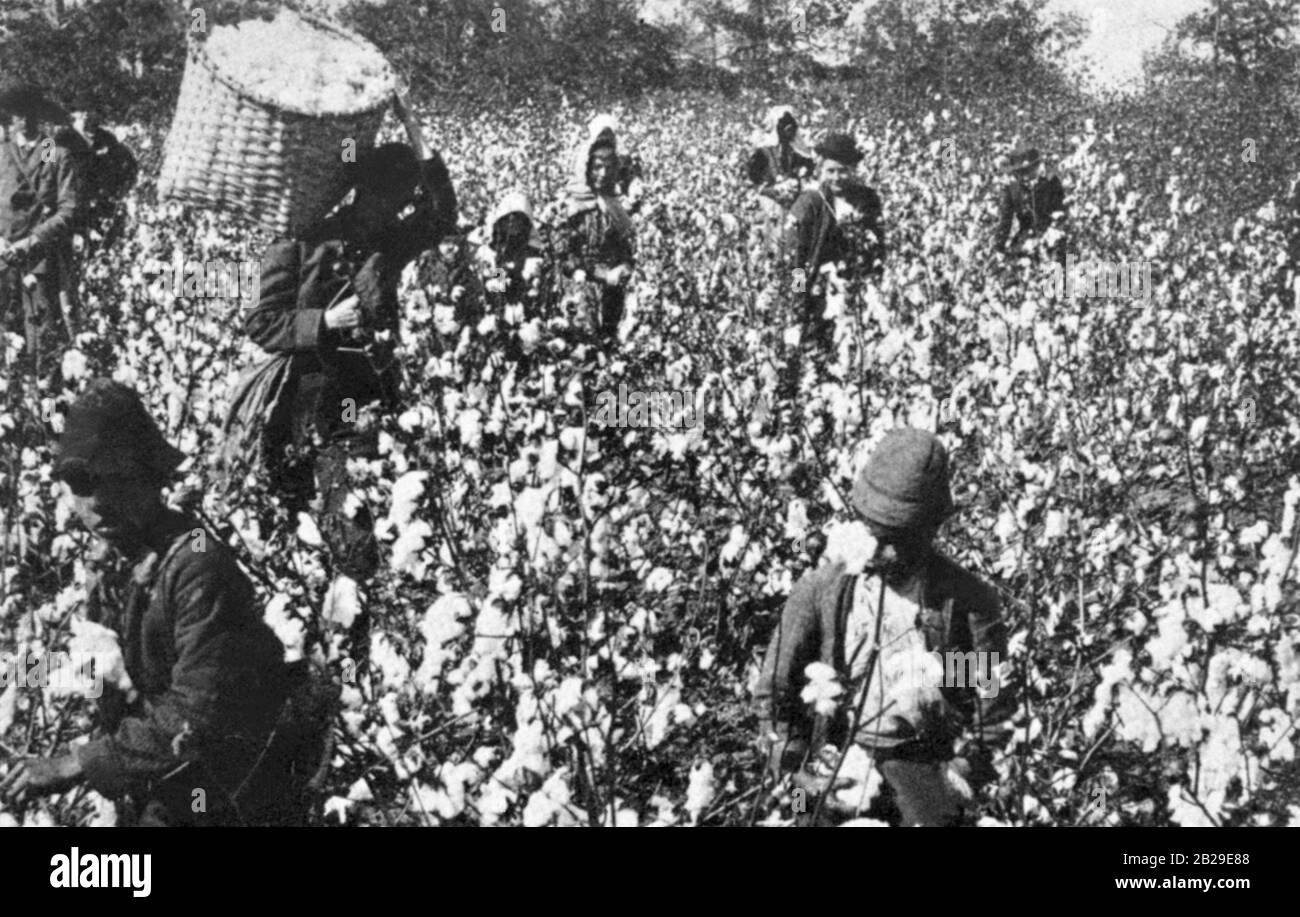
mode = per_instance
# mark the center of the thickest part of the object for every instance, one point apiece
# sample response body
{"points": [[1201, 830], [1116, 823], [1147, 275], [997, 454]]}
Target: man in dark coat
{"points": [[329, 300], [1031, 202], [208, 674], [875, 630], [777, 171], [39, 198], [108, 171], [776, 168], [835, 224]]}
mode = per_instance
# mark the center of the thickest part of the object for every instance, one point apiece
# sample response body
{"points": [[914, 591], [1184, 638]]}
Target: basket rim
{"points": [[198, 51]]}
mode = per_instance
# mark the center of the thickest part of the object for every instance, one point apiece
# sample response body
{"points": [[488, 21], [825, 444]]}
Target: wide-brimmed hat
{"points": [[28, 101], [108, 432], [1023, 159], [841, 148], [904, 484]]}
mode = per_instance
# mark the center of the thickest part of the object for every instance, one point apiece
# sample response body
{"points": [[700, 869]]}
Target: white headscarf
{"points": [[578, 193]]}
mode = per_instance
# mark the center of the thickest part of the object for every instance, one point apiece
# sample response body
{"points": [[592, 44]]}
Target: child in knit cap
{"points": [[897, 629]]}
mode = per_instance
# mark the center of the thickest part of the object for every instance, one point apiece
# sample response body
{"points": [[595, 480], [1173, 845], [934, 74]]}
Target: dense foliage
{"points": [[568, 622]]}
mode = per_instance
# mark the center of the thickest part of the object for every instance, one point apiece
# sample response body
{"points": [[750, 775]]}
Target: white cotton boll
{"points": [[410, 420], [74, 365], [530, 506], [95, 640], [337, 806], [8, 707], [1056, 525], [700, 790], [307, 532], [572, 438], [352, 504], [342, 602], [852, 544], [470, 425], [660, 578], [406, 494], [289, 629], [444, 320], [407, 554], [504, 584], [385, 658], [736, 543], [548, 460]]}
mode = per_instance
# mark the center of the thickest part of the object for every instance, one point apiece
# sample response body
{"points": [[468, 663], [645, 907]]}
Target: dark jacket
{"points": [[453, 283], [210, 674], [301, 279], [108, 172], [534, 293], [813, 236], [960, 613], [587, 239], [769, 164], [1031, 209], [39, 199]]}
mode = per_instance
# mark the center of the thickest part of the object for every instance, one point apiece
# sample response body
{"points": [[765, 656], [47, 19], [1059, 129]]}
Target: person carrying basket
{"points": [[328, 301]]}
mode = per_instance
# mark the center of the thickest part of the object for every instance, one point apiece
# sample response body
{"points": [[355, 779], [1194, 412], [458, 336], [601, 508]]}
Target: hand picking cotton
{"points": [[299, 66]]}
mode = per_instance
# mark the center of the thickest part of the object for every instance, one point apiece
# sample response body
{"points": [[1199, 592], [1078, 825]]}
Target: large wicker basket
{"points": [[232, 150]]}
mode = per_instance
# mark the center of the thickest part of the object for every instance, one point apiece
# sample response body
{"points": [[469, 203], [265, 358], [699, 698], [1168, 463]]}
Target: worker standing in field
{"points": [[213, 727], [328, 304], [595, 239], [873, 622], [834, 232], [777, 170], [1031, 208], [40, 194], [108, 171]]}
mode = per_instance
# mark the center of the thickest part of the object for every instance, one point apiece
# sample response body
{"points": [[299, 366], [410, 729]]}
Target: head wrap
{"points": [[579, 196], [772, 138]]}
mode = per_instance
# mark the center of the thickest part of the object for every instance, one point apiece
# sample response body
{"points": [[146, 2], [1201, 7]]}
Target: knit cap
{"points": [[904, 484]]}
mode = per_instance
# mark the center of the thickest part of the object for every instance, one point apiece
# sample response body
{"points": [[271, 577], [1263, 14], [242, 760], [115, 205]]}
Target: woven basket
{"points": [[232, 150]]}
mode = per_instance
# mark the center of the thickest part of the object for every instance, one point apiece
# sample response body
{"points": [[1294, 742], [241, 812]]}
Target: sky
{"points": [[1121, 30]]}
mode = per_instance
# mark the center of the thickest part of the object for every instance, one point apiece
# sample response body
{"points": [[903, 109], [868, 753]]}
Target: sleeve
{"points": [[125, 171], [1006, 216], [989, 637], [625, 250], [276, 324], [571, 245], [782, 713], [875, 221], [58, 226], [757, 168], [797, 233], [1056, 205], [370, 282], [211, 680]]}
